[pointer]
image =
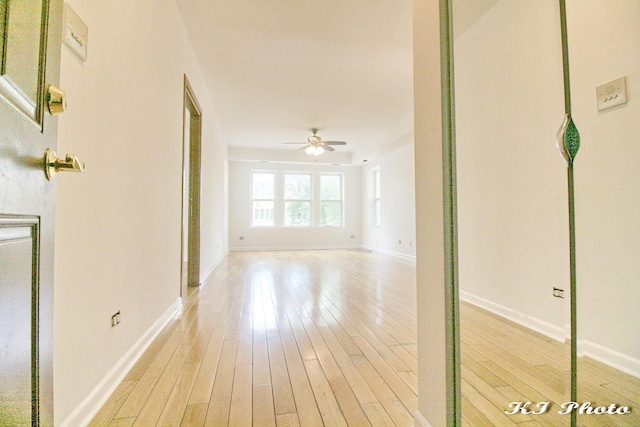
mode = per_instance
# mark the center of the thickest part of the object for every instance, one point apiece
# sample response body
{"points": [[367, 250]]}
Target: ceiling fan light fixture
{"points": [[315, 146], [314, 150]]}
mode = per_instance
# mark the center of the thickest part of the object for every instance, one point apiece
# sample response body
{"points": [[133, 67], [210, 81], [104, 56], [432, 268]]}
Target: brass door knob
{"points": [[53, 164]]}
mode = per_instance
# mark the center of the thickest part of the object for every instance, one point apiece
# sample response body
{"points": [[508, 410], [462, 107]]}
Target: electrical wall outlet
{"points": [[558, 293], [115, 319]]}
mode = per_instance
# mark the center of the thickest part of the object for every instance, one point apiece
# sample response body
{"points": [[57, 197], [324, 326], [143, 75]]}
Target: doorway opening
{"points": [[191, 154]]}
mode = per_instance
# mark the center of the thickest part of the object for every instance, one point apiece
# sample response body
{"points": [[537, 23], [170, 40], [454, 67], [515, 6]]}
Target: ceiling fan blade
{"points": [[315, 143]]}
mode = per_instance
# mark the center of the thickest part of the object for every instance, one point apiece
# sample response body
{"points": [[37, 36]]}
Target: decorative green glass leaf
{"points": [[572, 139], [568, 140]]}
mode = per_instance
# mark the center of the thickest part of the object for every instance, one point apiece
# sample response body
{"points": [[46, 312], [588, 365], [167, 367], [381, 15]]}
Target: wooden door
{"points": [[191, 161], [30, 59]]}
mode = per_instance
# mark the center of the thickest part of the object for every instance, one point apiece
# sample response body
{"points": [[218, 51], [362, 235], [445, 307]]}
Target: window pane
{"points": [[332, 213], [297, 186], [262, 213], [330, 188], [297, 213], [376, 177], [263, 186]]}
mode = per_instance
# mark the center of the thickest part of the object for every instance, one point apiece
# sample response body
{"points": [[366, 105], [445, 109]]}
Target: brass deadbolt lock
{"points": [[56, 100]]}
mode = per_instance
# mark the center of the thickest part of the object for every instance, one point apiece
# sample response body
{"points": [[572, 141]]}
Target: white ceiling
{"points": [[276, 68]]}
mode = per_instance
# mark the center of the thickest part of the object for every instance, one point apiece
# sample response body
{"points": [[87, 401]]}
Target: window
{"points": [[297, 199], [263, 199], [331, 200], [376, 197]]}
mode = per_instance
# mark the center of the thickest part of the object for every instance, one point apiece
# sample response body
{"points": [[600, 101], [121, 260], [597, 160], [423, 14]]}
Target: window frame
{"points": [[321, 201], [260, 199], [310, 200], [377, 204], [315, 201]]}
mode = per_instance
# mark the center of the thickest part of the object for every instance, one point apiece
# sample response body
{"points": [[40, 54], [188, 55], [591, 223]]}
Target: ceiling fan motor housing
{"points": [[315, 140]]}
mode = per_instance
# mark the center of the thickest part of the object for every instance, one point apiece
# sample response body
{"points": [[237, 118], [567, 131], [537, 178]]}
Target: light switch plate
{"points": [[75, 33], [612, 94]]}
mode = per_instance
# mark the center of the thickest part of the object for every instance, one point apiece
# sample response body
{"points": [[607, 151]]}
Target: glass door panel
{"points": [[512, 212], [607, 178]]}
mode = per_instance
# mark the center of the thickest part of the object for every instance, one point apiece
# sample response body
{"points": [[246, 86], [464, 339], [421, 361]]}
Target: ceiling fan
{"points": [[315, 145]]}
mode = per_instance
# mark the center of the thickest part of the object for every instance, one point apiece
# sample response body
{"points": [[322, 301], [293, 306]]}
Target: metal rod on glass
{"points": [[568, 143]]}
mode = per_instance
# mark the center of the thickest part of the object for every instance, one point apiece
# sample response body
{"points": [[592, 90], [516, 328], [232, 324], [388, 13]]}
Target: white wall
{"points": [[604, 45], [291, 237], [118, 224], [512, 181], [396, 234]]}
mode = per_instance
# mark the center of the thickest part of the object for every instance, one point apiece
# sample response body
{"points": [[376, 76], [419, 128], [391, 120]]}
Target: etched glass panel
{"points": [[511, 213]]}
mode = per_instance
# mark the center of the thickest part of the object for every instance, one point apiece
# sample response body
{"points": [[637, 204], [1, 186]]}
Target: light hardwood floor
{"points": [[504, 362], [329, 338]]}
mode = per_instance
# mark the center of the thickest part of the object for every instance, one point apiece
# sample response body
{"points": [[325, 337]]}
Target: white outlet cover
{"points": [[612, 94]]}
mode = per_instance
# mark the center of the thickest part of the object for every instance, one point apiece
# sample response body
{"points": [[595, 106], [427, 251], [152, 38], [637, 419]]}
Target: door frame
{"points": [[191, 183]]}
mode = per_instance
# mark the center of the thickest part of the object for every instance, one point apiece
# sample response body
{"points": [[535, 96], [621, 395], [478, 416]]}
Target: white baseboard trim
{"points": [[397, 255], [212, 269], [420, 421], [552, 331], [87, 409], [617, 360], [406, 257], [291, 248], [609, 357]]}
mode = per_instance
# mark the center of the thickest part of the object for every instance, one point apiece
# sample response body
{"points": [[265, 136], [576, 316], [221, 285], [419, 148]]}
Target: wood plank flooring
{"points": [[504, 362], [313, 338]]}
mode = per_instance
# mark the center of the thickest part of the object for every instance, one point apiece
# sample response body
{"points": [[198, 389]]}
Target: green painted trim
{"points": [[452, 318], [565, 57], [571, 141], [574, 298], [4, 13]]}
